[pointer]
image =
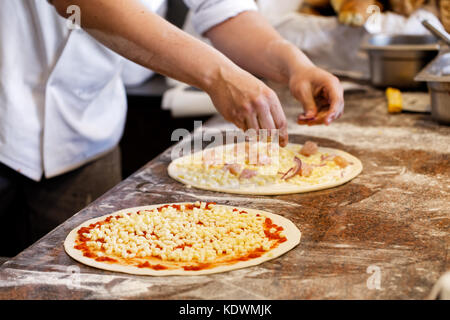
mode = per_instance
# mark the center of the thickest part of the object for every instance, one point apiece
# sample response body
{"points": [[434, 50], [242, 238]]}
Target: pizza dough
{"points": [[289, 235], [214, 176]]}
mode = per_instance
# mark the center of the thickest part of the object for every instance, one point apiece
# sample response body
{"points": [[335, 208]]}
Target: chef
{"points": [[63, 102]]}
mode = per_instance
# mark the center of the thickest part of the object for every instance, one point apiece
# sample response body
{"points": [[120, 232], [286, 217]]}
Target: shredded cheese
{"points": [[216, 175], [199, 233]]}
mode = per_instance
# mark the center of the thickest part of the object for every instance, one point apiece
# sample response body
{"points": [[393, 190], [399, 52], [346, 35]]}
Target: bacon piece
{"points": [[247, 174], [306, 170], [293, 171], [309, 148], [234, 168], [340, 161]]}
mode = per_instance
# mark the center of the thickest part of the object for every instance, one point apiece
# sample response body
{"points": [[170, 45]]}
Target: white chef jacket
{"points": [[62, 96]]}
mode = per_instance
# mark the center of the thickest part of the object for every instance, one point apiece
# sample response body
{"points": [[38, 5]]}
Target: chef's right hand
{"points": [[248, 102]]}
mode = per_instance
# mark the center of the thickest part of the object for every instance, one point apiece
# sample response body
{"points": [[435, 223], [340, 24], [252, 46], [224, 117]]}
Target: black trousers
{"points": [[29, 209]]}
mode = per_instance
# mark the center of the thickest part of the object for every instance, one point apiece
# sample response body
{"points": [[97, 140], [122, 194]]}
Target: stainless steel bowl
{"points": [[438, 80], [396, 59]]}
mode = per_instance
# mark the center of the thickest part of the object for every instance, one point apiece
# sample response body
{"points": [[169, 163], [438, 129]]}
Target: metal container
{"points": [[396, 59], [437, 76]]}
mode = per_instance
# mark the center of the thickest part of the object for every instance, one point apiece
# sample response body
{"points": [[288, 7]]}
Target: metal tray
{"points": [[439, 86], [396, 59]]}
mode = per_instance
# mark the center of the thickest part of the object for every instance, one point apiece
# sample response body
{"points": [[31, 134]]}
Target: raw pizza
{"points": [[265, 168], [181, 239]]}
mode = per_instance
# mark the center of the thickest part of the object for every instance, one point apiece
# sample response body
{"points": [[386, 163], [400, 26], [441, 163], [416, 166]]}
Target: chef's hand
{"points": [[248, 102], [320, 93], [262, 51]]}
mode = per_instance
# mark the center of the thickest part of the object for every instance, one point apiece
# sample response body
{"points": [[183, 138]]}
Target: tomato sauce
{"points": [[89, 254], [182, 246], [162, 207], [81, 241], [268, 224], [146, 264], [252, 255], [105, 259], [200, 266]]}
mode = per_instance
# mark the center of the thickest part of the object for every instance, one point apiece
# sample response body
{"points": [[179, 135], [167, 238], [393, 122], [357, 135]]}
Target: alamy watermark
{"points": [[211, 147], [73, 281], [73, 22], [373, 23], [374, 281]]}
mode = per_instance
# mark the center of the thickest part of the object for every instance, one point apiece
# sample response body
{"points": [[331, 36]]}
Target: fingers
{"points": [[240, 123], [330, 99], [279, 119], [271, 116], [319, 119], [252, 105], [251, 121], [264, 116], [266, 113], [336, 102], [303, 93]]}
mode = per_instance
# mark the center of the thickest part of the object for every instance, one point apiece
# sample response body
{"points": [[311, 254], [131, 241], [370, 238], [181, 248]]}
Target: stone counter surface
{"points": [[384, 235]]}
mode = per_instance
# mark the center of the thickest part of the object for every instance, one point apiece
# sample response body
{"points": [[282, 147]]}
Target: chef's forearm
{"points": [[253, 44], [130, 29]]}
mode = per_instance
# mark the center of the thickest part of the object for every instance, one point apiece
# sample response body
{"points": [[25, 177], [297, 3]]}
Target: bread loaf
{"points": [[353, 12], [356, 12], [317, 3], [405, 7], [445, 14]]}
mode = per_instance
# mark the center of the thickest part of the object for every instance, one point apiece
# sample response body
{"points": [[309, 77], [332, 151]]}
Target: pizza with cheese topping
{"points": [[265, 168], [181, 239]]}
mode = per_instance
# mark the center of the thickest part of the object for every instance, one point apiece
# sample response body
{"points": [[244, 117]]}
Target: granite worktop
{"points": [[384, 235]]}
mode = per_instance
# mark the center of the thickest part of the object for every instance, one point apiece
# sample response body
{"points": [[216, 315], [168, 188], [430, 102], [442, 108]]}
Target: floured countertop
{"points": [[384, 235]]}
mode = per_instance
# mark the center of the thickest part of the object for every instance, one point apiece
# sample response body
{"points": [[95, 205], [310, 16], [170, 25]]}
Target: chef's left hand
{"points": [[320, 93]]}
